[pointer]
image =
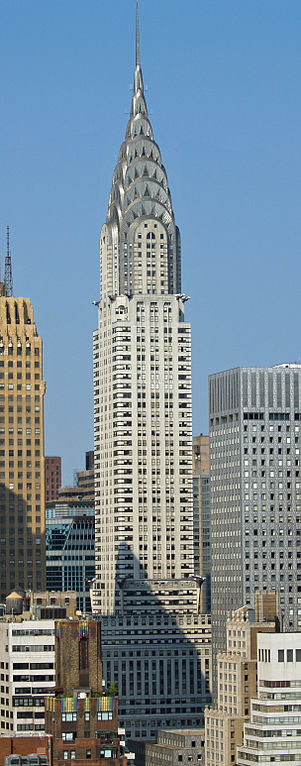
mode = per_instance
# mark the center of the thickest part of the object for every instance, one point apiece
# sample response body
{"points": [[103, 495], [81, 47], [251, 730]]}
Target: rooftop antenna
{"points": [[138, 62], [8, 274], [138, 79]]}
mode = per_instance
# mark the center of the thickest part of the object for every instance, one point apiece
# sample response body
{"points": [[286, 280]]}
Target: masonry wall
{"points": [[78, 655], [24, 745], [84, 729]]}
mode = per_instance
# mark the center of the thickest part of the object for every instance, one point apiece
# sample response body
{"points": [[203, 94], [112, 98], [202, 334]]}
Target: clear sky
{"points": [[223, 91]]}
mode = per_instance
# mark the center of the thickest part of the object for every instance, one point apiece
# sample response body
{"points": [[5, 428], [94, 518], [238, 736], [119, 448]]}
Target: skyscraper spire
{"points": [[138, 62], [138, 79], [140, 188]]}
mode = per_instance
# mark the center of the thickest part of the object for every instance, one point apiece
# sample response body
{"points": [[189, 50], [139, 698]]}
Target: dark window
{"points": [[83, 654]]}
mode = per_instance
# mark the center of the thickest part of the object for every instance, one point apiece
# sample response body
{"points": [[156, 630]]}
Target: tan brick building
{"points": [[237, 679], [22, 485]]}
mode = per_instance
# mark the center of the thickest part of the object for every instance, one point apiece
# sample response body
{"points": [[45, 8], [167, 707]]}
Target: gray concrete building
{"points": [[184, 747], [254, 416], [145, 587]]}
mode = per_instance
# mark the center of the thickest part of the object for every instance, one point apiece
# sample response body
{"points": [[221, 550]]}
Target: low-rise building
{"points": [[174, 747], [237, 678], [81, 719], [27, 656], [274, 731], [84, 729], [52, 604], [31, 749], [27, 667]]}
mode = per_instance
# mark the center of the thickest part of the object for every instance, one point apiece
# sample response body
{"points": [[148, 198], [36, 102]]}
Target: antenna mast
{"points": [[138, 62], [8, 274]]}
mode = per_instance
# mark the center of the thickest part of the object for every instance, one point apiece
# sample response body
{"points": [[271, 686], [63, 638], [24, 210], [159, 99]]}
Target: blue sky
{"points": [[223, 91]]}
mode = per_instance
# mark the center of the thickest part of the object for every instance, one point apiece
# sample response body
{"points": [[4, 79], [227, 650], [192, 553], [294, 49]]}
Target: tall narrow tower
{"points": [[142, 374], [143, 444], [22, 501]]}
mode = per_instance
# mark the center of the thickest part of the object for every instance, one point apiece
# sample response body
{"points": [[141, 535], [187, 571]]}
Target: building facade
{"points": [[84, 729], [81, 719], [16, 747], [174, 747], [70, 549], [85, 479], [255, 490], [27, 657], [144, 559], [83, 489], [201, 516], [159, 657], [78, 657], [27, 660], [22, 483], [53, 477], [237, 679], [274, 731]]}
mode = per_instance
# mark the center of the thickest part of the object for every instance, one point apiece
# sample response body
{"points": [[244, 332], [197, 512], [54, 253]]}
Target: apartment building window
{"points": [[105, 716], [68, 716]]}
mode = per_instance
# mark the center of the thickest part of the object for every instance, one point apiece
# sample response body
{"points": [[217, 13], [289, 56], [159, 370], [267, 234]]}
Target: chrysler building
{"points": [[156, 644]]}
